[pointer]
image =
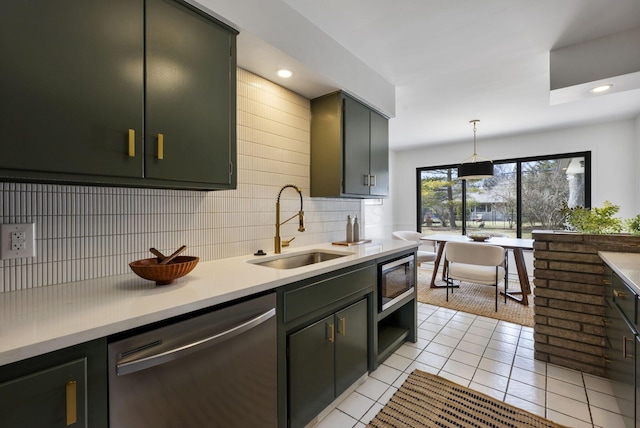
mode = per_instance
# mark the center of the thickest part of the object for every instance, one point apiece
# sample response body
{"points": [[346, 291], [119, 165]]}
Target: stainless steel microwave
{"points": [[396, 279]]}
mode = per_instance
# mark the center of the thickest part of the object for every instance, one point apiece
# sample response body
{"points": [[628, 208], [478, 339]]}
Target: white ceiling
{"points": [[446, 61]]}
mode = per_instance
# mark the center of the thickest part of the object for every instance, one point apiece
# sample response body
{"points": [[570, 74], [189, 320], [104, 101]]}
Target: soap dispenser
{"points": [[349, 229], [356, 230]]}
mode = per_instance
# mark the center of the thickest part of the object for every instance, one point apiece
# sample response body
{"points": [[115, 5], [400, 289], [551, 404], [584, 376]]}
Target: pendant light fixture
{"points": [[475, 167]]}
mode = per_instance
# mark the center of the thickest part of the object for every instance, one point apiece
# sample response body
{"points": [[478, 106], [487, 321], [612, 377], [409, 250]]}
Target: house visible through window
{"points": [[523, 195]]}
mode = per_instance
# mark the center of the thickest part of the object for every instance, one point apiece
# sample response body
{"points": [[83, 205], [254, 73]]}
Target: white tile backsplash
{"points": [[85, 232]]}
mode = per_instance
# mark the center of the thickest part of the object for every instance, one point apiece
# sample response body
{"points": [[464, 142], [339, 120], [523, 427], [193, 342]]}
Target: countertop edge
{"points": [[44, 319], [626, 265]]}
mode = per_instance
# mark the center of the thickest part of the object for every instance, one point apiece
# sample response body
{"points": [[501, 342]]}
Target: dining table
{"points": [[517, 245]]}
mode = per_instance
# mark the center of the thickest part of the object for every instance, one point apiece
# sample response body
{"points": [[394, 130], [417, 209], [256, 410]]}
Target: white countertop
{"points": [[626, 265], [44, 319]]}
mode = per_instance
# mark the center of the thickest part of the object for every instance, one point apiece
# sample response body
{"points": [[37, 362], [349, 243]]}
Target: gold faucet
{"points": [[278, 241]]}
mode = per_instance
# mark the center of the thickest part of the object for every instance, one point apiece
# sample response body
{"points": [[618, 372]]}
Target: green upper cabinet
{"points": [[88, 87], [349, 149], [379, 155], [190, 97], [72, 87]]}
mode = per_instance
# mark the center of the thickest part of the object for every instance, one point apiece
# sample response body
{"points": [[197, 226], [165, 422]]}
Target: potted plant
{"points": [[594, 220], [633, 225]]}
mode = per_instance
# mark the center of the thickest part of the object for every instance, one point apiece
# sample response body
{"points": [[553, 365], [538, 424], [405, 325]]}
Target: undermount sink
{"points": [[291, 261]]}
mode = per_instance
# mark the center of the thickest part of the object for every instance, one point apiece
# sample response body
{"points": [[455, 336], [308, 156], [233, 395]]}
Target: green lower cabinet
{"points": [[637, 382], [351, 345], [326, 358], [311, 369], [66, 388], [620, 364], [52, 398], [620, 346]]}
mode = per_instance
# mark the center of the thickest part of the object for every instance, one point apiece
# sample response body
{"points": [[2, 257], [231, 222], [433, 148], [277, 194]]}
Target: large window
{"points": [[523, 195], [440, 200]]}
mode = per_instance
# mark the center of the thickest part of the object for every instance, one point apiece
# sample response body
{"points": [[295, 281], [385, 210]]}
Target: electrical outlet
{"points": [[17, 240]]}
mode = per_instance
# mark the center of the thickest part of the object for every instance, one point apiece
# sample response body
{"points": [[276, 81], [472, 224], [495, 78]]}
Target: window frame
{"points": [[518, 161]]}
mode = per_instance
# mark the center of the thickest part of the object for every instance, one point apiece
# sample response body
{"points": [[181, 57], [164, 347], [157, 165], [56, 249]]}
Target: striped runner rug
{"points": [[427, 400]]}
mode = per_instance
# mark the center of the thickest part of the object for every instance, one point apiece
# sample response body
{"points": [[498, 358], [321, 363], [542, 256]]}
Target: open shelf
{"points": [[390, 338], [395, 326]]}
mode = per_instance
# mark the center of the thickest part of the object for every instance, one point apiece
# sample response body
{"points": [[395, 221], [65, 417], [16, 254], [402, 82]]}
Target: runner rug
{"points": [[425, 400]]}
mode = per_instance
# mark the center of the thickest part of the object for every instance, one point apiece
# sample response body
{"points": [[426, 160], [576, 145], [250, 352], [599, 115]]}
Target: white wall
{"points": [[615, 154], [85, 232], [636, 160]]}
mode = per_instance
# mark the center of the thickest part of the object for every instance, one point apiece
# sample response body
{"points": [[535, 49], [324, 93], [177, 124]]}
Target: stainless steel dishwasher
{"points": [[214, 370]]}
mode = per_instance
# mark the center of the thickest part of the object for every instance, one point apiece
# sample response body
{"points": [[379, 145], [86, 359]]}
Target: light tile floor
{"points": [[491, 356]]}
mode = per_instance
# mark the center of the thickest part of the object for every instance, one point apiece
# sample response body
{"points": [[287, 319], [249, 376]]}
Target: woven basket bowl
{"points": [[479, 237], [164, 274]]}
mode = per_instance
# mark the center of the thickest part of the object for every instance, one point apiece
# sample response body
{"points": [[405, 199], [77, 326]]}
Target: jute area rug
{"points": [[426, 400], [476, 299]]}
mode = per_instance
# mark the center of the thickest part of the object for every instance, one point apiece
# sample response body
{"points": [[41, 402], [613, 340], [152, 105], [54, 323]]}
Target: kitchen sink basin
{"points": [[291, 261]]}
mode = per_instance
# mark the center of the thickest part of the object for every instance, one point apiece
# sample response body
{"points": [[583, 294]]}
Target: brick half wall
{"points": [[569, 297]]}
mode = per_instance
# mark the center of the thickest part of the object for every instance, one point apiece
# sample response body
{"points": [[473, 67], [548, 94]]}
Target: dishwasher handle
{"points": [[182, 351]]}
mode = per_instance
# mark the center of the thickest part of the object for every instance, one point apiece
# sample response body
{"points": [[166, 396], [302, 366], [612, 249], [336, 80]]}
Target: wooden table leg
{"points": [[525, 287], [436, 266]]}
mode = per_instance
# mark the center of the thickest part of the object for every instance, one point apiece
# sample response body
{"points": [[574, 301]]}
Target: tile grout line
{"points": [[443, 320]]}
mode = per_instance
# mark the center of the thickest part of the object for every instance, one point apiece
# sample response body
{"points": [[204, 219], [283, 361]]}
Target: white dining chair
{"points": [[409, 235], [476, 263]]}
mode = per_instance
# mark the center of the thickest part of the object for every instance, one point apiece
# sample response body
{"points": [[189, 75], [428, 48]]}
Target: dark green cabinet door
{"points": [[379, 163], [351, 345], [190, 95], [356, 147], [72, 86], [311, 371], [637, 384], [622, 367], [349, 148], [51, 398], [620, 357]]}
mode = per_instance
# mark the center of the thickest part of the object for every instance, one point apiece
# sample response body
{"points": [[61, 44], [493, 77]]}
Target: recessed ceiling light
{"points": [[601, 88], [283, 72]]}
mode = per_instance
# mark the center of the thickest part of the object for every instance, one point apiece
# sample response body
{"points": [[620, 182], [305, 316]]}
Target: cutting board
{"points": [[348, 244]]}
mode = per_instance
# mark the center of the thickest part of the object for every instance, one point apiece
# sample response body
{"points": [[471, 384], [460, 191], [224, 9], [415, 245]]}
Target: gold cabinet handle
{"points": [[332, 337], [617, 293], [342, 329], [606, 281], [373, 181], [160, 146], [72, 411], [132, 143], [367, 179]]}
